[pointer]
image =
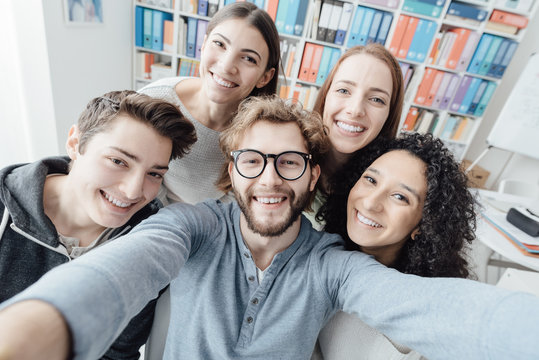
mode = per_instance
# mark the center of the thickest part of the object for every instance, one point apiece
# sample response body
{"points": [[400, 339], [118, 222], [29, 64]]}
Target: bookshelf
{"points": [[453, 54]]}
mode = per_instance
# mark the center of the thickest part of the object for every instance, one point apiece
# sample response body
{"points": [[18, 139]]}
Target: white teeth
{"points": [[366, 221], [223, 82], [269, 200], [349, 128], [115, 201]]}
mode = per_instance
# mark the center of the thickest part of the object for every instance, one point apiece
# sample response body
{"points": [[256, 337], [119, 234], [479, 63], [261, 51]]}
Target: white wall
{"points": [[87, 61], [503, 164], [53, 69]]}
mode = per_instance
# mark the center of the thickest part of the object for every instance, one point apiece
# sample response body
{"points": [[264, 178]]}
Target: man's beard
{"points": [[272, 230]]}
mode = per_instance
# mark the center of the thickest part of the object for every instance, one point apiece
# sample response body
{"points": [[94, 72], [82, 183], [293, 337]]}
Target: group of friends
{"points": [[248, 181]]}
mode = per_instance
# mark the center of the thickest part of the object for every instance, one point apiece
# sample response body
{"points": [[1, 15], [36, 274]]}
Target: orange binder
{"points": [[396, 39], [434, 88], [306, 61], [315, 63], [458, 46], [424, 87], [410, 120], [271, 6], [509, 18], [408, 37], [434, 52]]}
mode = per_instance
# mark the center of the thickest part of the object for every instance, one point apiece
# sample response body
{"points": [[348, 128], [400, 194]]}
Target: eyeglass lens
{"points": [[289, 165]]}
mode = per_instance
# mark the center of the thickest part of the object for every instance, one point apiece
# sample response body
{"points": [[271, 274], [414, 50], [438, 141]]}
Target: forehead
{"points": [[273, 138], [404, 167], [365, 68], [241, 32]]}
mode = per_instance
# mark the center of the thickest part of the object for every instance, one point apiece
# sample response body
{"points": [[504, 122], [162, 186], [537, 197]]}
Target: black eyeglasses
{"points": [[289, 165]]}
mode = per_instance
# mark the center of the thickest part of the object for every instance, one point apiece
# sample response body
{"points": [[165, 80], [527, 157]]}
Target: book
{"points": [[508, 29], [323, 70], [411, 118], [433, 55], [147, 28], [502, 49], [202, 25], [460, 93], [458, 47], [424, 122], [407, 76], [427, 8], [508, 18], [202, 7], [489, 57], [507, 58], [480, 53], [489, 91], [477, 97], [353, 38], [282, 12], [468, 51], [315, 62], [323, 22], [449, 126], [300, 18], [458, 130], [384, 28], [182, 36], [408, 37], [431, 93], [346, 16], [290, 60], [158, 17], [291, 16], [305, 67], [168, 36], [424, 86], [398, 34], [191, 37], [421, 41], [333, 25], [467, 11], [139, 26], [213, 7], [365, 26], [450, 92], [387, 3], [470, 93], [317, 6], [448, 40], [375, 26]]}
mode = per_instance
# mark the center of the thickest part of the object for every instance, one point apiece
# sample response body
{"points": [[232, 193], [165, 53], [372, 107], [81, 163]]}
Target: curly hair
{"points": [[448, 220]]}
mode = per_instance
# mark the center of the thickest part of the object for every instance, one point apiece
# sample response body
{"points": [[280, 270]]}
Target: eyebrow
{"points": [[349, 82], [415, 193], [227, 40], [136, 158]]}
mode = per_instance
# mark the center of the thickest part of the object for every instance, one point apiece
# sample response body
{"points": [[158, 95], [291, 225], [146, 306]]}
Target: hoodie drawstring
{"points": [[3, 224]]}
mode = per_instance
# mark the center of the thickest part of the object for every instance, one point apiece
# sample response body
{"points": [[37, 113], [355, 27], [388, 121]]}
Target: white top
{"points": [[192, 178]]}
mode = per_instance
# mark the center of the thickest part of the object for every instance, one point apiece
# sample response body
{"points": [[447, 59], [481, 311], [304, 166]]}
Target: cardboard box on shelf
{"points": [[477, 176]]}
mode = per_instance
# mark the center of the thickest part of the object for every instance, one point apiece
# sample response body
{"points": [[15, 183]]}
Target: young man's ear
{"points": [[315, 174], [230, 170], [72, 143]]}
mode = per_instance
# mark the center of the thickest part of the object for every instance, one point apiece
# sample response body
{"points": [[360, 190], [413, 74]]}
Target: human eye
{"points": [[218, 43], [118, 162], [156, 175], [379, 100], [250, 59], [369, 179], [343, 91], [401, 197]]}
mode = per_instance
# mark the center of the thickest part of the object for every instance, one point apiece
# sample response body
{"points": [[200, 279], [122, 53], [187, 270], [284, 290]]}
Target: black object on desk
{"points": [[522, 219]]}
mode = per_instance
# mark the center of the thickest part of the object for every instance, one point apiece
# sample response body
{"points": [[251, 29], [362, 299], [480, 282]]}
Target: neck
{"points": [[264, 248], [386, 255], [210, 114], [333, 161], [68, 218]]}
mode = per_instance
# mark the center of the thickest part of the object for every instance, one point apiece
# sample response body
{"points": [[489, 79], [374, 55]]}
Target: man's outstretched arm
{"points": [[35, 330]]}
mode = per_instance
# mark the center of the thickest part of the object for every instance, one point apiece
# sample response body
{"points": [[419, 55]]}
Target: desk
{"points": [[493, 239]]}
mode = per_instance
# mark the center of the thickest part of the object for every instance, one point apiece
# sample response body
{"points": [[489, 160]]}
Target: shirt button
{"points": [[246, 254], [251, 278], [255, 301], [249, 320]]}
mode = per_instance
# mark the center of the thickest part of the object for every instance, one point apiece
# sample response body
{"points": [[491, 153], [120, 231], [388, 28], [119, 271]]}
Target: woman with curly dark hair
{"points": [[406, 202]]}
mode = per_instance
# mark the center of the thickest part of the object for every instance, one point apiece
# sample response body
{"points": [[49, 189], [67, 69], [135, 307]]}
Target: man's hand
{"points": [[33, 330]]}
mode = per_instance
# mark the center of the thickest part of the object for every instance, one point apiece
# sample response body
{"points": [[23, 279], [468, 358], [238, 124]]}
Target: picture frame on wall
{"points": [[83, 12]]}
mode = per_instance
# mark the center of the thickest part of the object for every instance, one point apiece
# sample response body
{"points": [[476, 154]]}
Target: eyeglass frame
{"points": [[306, 157]]}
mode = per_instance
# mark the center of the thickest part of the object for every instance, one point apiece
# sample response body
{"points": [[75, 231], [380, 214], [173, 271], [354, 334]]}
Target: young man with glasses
{"points": [[256, 280]]}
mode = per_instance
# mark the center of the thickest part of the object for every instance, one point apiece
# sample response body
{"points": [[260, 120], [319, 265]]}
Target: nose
{"points": [[269, 176], [355, 107], [132, 186], [228, 62], [373, 201]]}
